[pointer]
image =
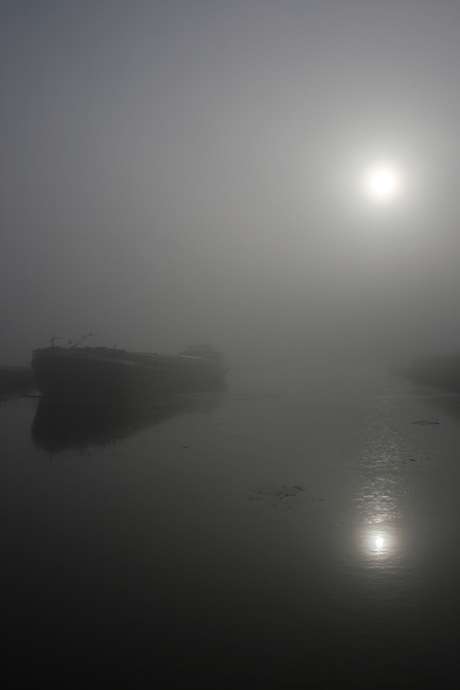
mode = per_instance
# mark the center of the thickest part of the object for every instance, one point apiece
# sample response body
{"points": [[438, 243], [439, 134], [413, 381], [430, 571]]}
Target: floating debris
{"points": [[279, 495], [425, 421]]}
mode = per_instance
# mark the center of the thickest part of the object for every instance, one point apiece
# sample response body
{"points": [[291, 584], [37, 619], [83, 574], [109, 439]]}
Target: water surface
{"points": [[257, 537]]}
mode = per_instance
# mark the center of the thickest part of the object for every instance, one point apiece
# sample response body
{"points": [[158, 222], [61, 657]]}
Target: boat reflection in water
{"points": [[62, 425]]}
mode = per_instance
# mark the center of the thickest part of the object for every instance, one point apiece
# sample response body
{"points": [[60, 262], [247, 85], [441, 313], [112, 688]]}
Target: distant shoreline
{"points": [[434, 370], [17, 378]]}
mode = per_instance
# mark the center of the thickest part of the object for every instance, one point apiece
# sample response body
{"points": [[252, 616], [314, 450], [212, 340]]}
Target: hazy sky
{"points": [[187, 170]]}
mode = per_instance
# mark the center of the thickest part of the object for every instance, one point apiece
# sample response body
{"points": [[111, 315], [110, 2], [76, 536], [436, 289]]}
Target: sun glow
{"points": [[382, 183]]}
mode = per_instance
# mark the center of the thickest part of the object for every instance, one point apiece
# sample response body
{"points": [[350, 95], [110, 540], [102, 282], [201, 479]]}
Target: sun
{"points": [[382, 183]]}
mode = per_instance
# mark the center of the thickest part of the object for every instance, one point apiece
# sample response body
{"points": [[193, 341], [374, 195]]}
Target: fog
{"points": [[181, 171]]}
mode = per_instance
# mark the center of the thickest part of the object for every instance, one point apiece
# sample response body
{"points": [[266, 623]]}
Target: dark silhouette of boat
{"points": [[92, 373]]}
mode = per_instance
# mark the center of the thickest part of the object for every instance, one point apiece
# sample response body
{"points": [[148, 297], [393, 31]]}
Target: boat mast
{"points": [[84, 337]]}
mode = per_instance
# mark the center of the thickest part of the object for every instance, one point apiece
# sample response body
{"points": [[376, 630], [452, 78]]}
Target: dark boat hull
{"points": [[98, 373]]}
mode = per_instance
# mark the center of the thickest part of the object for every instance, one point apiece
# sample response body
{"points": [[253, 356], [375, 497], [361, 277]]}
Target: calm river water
{"points": [[291, 537]]}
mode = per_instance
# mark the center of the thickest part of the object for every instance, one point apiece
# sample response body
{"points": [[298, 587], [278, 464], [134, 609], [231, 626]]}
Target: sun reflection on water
{"points": [[383, 491], [379, 541]]}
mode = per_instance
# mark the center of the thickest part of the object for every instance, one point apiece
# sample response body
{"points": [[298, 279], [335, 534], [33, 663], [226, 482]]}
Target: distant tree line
{"points": [[437, 370], [16, 378]]}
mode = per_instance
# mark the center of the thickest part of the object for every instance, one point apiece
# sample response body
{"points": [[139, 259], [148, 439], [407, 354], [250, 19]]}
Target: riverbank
{"points": [[434, 370], [17, 379]]}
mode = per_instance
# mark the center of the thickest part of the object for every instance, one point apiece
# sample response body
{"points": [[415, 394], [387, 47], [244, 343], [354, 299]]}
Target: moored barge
{"points": [[89, 373]]}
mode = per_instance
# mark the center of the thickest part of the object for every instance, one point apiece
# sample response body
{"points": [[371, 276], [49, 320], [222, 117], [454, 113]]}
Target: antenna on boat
{"points": [[83, 337]]}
